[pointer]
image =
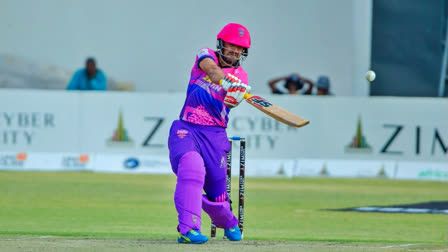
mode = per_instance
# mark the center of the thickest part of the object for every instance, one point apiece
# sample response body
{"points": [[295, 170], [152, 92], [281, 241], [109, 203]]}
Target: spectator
{"points": [[323, 86], [293, 84], [89, 78]]}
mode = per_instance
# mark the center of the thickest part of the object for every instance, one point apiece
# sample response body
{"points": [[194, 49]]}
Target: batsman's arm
{"points": [[213, 71]]}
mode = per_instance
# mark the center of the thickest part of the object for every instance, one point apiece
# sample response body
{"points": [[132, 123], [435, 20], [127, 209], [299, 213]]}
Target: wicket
{"points": [[242, 141]]}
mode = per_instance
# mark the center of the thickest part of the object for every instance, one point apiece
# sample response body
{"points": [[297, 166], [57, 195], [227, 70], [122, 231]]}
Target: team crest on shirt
{"points": [[182, 133], [202, 52]]}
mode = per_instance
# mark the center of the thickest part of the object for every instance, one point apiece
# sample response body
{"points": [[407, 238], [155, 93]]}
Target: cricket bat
{"points": [[275, 111]]}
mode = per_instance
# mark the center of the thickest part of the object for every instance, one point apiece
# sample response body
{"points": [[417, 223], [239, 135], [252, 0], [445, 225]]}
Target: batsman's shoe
{"points": [[192, 237], [233, 234]]}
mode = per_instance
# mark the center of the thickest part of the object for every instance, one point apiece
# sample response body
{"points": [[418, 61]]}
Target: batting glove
{"points": [[229, 80], [235, 90]]}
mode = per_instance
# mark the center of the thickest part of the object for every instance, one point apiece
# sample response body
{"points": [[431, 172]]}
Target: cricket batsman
{"points": [[198, 141]]}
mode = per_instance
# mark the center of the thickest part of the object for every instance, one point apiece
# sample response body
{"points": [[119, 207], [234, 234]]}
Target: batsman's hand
{"points": [[235, 90]]}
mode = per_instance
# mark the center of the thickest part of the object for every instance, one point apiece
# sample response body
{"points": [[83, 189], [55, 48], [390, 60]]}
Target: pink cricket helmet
{"points": [[235, 34]]}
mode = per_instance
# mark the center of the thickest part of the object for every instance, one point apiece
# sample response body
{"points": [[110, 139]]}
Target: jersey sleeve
{"points": [[205, 53]]}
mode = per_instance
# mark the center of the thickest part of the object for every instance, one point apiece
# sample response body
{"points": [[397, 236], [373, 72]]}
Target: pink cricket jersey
{"points": [[204, 103]]}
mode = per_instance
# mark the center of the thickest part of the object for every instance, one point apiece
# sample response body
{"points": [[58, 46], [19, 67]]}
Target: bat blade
{"points": [[275, 111]]}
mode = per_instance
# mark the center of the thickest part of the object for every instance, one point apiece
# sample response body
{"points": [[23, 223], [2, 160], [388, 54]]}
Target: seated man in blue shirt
{"points": [[89, 78]]}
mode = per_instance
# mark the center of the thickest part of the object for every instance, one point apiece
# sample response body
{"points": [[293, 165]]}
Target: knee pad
{"points": [[187, 197]]}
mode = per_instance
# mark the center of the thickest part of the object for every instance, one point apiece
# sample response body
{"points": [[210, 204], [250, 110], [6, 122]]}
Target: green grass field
{"points": [[118, 206]]}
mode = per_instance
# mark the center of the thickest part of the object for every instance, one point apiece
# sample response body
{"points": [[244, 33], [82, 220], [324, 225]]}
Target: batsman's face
{"points": [[231, 52]]}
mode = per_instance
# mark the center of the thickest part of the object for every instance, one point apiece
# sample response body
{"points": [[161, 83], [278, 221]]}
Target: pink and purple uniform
{"points": [[198, 145], [204, 103]]}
